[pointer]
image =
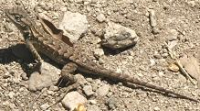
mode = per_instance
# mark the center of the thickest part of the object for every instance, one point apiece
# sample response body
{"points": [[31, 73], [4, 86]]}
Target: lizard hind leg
{"points": [[67, 72]]}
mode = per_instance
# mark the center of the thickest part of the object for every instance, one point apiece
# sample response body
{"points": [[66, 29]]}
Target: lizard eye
{"points": [[18, 18]]}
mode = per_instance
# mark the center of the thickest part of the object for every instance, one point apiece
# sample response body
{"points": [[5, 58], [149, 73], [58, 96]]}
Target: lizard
{"points": [[72, 57]]}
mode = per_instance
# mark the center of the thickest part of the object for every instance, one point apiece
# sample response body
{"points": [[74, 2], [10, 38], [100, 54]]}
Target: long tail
{"points": [[136, 81], [96, 69]]}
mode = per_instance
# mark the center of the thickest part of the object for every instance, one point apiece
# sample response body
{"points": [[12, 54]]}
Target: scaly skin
{"points": [[73, 57]]}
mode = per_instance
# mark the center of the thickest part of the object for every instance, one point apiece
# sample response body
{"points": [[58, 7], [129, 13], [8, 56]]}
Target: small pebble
{"points": [[192, 3], [89, 80], [24, 76], [103, 90], [172, 34], [50, 92], [6, 75], [92, 102], [98, 53], [80, 79], [72, 100], [111, 103], [93, 108], [44, 106], [160, 73], [101, 18], [96, 84], [164, 55], [173, 67], [152, 62], [153, 21], [156, 109], [38, 9], [63, 9], [88, 90], [11, 95], [53, 88], [157, 56]]}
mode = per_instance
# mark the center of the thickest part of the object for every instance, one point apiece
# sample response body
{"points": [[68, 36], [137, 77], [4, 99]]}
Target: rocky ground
{"points": [[155, 22]]}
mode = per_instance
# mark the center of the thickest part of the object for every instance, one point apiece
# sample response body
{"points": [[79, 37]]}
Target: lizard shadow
{"points": [[110, 51], [17, 53], [20, 54], [6, 56]]}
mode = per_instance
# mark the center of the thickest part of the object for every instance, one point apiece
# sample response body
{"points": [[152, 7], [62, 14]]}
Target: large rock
{"points": [[48, 77], [118, 37], [73, 25]]}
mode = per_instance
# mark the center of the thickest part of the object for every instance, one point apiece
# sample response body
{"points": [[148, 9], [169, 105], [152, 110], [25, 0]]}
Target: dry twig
{"points": [[177, 62]]}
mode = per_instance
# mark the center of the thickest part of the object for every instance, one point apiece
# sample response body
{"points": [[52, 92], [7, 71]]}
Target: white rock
{"points": [[80, 79], [111, 103], [101, 18], [93, 102], [48, 77], [88, 90], [171, 34], [11, 94], [152, 62], [39, 81], [156, 109], [6, 103], [192, 3], [73, 25], [44, 106], [53, 88], [103, 90], [72, 100], [98, 52]]}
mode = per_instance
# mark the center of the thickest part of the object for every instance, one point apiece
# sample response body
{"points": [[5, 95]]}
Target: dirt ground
{"points": [[148, 60]]}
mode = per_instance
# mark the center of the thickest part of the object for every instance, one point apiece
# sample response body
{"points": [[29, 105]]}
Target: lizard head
{"points": [[19, 18]]}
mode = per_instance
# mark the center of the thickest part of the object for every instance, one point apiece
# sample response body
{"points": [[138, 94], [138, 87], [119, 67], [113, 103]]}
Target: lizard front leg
{"points": [[35, 54], [67, 73]]}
